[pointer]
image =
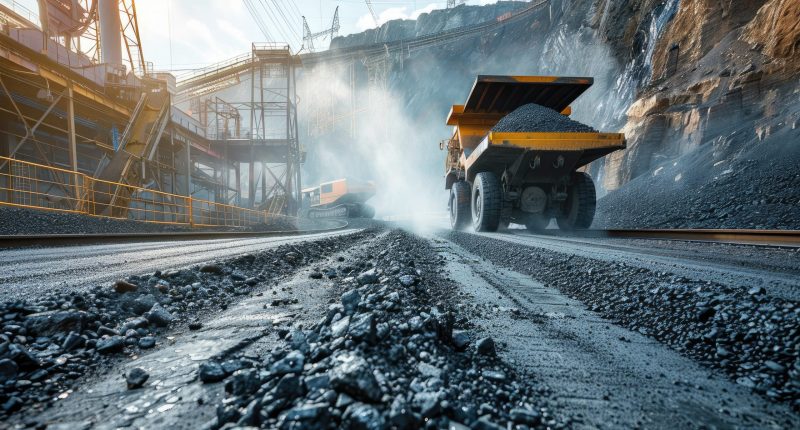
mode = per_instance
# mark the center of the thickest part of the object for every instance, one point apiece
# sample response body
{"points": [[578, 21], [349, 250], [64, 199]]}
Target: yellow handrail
{"points": [[31, 185]]}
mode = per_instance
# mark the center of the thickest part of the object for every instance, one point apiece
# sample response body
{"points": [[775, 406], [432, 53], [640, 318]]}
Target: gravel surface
{"points": [[749, 335], [536, 118], [389, 353], [31, 271], [50, 343], [595, 369], [22, 221]]}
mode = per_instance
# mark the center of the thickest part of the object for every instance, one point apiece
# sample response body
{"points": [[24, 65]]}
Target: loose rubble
{"points": [[386, 354], [755, 190], [536, 118], [751, 336], [47, 345]]}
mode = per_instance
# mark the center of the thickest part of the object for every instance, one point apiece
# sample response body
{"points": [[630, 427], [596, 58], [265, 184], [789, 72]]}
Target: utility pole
{"points": [[333, 31]]}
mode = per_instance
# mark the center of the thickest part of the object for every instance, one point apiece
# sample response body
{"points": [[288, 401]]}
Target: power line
{"points": [[286, 15], [265, 6], [258, 20]]}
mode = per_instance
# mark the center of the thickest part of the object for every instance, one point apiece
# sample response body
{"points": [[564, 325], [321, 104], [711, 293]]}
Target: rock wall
{"points": [[776, 27], [722, 73], [428, 23]]}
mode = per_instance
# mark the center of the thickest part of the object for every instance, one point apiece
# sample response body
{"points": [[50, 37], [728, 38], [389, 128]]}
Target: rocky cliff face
{"points": [[428, 23], [703, 89], [723, 93]]}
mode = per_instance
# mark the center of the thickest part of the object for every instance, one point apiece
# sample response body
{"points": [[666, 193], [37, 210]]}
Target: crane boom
{"points": [[372, 12]]}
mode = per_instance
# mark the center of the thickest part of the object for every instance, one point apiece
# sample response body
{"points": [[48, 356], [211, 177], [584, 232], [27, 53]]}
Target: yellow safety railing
{"points": [[30, 185]]}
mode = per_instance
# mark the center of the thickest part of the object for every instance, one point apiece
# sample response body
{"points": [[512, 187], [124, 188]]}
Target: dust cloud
{"points": [[373, 139], [391, 134]]}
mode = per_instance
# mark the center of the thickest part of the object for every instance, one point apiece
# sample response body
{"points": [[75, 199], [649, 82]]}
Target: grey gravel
{"points": [[383, 355], [749, 335], [50, 341]]}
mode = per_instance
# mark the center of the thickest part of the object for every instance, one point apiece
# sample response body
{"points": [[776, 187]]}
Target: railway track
{"points": [[18, 241], [773, 238]]}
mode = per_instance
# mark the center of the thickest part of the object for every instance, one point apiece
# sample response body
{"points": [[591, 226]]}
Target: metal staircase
{"points": [[276, 204], [138, 143]]}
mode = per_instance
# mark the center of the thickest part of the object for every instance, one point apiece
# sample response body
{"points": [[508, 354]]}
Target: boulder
{"points": [[354, 377]]}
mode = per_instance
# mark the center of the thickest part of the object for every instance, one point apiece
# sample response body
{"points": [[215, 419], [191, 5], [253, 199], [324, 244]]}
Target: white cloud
{"points": [[198, 35], [233, 31]]}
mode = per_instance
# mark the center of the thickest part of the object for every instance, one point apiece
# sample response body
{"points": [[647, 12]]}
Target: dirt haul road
{"points": [[383, 327]]}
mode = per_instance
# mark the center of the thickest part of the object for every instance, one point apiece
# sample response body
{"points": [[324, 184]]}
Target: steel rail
{"points": [[19, 241], [772, 238]]}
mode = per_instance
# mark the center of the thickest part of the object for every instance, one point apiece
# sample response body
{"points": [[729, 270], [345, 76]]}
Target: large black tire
{"points": [[367, 211], [536, 222], [578, 211], [486, 202], [458, 205]]}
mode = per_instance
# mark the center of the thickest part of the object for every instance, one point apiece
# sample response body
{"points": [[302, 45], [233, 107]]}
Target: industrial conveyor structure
{"points": [[87, 126], [529, 177]]}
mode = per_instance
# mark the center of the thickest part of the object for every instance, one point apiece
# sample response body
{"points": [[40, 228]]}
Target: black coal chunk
{"points": [[536, 118]]}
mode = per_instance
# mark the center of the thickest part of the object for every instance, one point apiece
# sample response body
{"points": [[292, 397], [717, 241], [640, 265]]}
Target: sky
{"points": [[179, 35]]}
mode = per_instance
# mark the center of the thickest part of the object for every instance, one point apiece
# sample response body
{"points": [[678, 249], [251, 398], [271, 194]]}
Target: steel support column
{"points": [[263, 182], [251, 183], [238, 184], [73, 144]]}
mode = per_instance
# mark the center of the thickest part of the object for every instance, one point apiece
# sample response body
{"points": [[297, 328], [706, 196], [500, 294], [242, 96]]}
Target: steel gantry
{"points": [[261, 88], [86, 126]]}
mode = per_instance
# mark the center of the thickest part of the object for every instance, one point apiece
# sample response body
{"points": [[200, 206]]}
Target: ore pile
{"points": [[536, 118], [759, 190], [750, 335], [48, 345], [383, 356]]}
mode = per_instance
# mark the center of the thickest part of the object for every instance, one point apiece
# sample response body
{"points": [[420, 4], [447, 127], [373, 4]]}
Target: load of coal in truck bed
{"points": [[536, 118]]}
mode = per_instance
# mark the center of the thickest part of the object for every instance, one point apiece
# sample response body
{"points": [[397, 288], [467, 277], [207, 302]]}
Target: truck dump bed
{"points": [[503, 94], [493, 97]]}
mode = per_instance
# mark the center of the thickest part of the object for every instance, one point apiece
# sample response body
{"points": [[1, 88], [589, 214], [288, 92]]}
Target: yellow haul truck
{"points": [[338, 199], [529, 175]]}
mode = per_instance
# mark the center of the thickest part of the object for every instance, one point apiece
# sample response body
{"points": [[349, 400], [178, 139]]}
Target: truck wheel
{"points": [[367, 211], [578, 210], [536, 222], [486, 202], [458, 205]]}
